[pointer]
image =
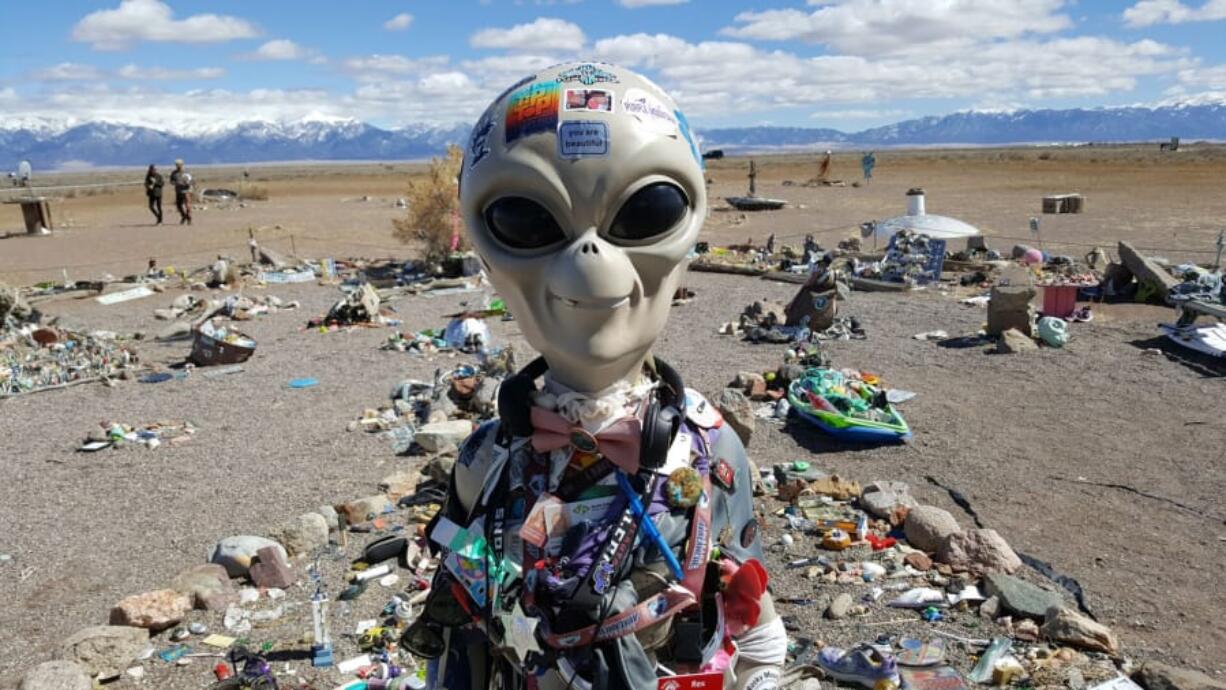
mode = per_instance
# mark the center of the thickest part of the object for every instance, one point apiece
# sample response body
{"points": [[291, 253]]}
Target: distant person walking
{"points": [[182, 182], [867, 162], [823, 173], [153, 189]]}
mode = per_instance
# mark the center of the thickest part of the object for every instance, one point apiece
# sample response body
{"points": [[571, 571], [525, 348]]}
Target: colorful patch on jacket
{"points": [[532, 110]]}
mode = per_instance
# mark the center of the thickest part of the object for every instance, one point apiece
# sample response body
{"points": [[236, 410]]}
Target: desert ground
{"points": [[1030, 440]]}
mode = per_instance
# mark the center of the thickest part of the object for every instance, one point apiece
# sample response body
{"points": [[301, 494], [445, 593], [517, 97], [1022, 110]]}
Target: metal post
{"points": [[753, 173], [1221, 242]]}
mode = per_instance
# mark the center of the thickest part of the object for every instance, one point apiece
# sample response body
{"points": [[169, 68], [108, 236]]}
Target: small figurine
{"points": [[321, 647]]}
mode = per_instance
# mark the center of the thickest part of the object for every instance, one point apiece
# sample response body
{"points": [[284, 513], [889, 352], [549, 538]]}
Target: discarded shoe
{"points": [[864, 665]]}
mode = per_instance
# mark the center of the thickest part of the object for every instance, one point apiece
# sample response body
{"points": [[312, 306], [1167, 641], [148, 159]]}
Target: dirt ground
{"points": [[1014, 434]]}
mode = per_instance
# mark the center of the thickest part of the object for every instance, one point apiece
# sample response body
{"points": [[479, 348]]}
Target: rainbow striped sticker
{"points": [[533, 110]]}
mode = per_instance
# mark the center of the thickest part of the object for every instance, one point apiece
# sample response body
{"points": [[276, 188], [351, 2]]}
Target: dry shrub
{"points": [[255, 193], [434, 207]]}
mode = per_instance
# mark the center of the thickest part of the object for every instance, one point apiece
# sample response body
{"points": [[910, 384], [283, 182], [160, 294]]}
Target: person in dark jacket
{"points": [[153, 188], [182, 182]]}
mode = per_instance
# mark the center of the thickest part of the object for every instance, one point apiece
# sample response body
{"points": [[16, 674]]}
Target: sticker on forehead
{"points": [[587, 75], [684, 125], [598, 100], [478, 145], [579, 139], [651, 113], [532, 110]]}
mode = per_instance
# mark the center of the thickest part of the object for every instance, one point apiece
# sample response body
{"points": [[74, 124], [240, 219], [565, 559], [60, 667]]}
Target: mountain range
{"points": [[52, 145]]}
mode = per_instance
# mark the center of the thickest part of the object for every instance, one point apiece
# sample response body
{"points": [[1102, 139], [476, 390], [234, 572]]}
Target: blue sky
{"points": [[186, 65]]}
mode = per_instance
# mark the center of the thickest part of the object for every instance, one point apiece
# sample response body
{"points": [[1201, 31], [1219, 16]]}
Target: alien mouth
{"points": [[594, 304]]}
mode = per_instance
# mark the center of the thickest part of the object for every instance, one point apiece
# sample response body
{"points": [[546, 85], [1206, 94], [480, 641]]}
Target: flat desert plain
{"points": [[1103, 459]]}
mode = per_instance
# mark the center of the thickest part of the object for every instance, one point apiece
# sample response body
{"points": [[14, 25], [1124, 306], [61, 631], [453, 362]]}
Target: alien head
{"points": [[583, 191]]}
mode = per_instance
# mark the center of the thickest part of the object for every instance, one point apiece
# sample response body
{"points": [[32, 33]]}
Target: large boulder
{"points": [[303, 534], [979, 551], [738, 412], [208, 584], [1020, 597], [57, 675], [1065, 626], [442, 436], [364, 509], [882, 498], [927, 527], [155, 610], [235, 553], [1157, 676], [105, 650]]}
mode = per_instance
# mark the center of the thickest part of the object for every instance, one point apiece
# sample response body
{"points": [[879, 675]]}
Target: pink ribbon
{"points": [[619, 442]]}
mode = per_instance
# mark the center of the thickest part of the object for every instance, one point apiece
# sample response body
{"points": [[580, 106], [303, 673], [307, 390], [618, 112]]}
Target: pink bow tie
{"points": [[619, 442]]}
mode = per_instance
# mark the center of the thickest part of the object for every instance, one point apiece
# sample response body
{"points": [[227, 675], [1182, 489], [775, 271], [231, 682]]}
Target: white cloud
{"points": [[1150, 12], [715, 78], [871, 27], [380, 66], [634, 4], [153, 20], [399, 23], [283, 49], [1213, 78], [544, 33], [69, 71], [160, 73]]}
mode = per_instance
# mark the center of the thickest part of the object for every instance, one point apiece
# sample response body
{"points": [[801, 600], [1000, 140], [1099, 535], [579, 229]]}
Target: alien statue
{"points": [[601, 533]]}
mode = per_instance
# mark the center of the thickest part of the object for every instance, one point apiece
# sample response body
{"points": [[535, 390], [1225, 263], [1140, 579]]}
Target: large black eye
{"points": [[652, 211], [522, 223]]}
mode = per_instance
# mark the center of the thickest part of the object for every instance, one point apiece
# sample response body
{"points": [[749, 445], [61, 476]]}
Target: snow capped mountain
{"points": [[253, 141], [51, 142]]}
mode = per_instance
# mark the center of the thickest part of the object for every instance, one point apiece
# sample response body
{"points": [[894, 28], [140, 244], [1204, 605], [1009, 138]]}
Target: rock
{"points": [[1147, 271], [12, 304], [439, 469], [165, 314], [399, 484], [882, 498], [439, 436], [990, 608], [927, 527], [918, 560], [839, 607], [1009, 307], [750, 383], [330, 516], [105, 650], [787, 373], [155, 610], [1156, 676], [1066, 626], [1075, 680], [303, 534], [1020, 597], [271, 569], [235, 553], [364, 509], [979, 551], [1014, 341], [836, 487], [57, 675], [737, 411], [208, 585]]}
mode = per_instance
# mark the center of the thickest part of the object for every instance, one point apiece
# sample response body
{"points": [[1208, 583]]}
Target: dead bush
{"points": [[434, 208]]}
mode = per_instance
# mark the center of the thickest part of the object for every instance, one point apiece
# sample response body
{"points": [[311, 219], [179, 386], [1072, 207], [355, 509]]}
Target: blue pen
{"points": [[636, 507]]}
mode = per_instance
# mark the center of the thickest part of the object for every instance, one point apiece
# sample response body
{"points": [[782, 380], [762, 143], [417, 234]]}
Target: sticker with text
{"points": [[579, 139]]}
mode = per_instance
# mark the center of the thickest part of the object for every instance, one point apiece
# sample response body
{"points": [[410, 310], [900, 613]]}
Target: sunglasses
{"points": [[521, 223]]}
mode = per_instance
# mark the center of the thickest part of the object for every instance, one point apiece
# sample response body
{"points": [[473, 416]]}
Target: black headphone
{"points": [[660, 423]]}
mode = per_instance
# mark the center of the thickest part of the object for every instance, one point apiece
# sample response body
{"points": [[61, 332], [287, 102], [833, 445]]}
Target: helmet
{"points": [[582, 190]]}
